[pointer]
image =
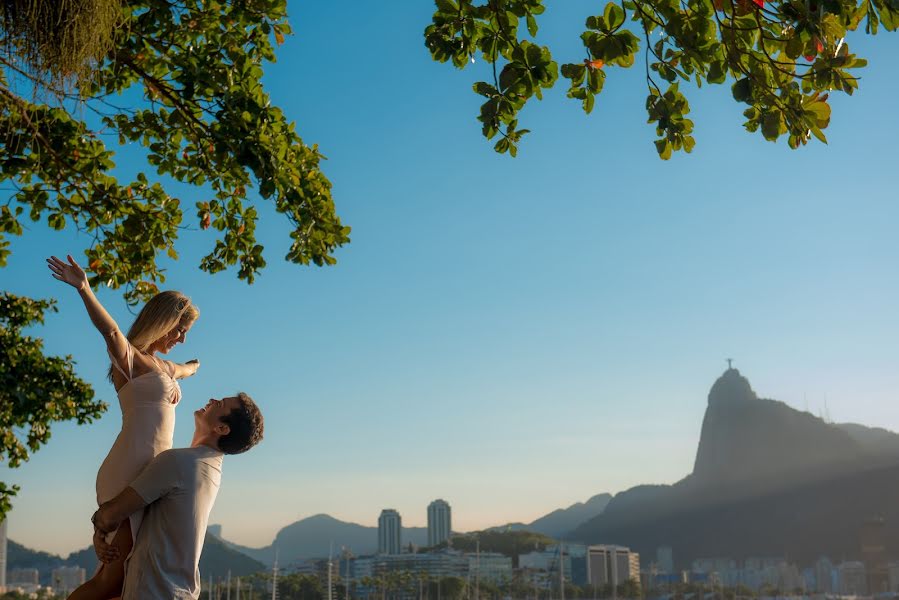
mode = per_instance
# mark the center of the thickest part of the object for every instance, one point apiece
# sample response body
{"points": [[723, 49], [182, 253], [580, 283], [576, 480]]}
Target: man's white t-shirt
{"points": [[179, 487]]}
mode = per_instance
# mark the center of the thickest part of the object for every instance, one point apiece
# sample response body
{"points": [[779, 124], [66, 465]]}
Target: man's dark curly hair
{"points": [[246, 425]]}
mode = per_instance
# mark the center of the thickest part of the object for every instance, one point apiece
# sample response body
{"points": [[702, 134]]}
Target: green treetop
{"points": [[781, 57]]}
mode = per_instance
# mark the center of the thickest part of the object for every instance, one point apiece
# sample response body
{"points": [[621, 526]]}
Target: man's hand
{"points": [[102, 522], [106, 553]]}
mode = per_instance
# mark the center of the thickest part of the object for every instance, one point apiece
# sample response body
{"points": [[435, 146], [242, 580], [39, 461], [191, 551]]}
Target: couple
{"points": [[154, 500]]}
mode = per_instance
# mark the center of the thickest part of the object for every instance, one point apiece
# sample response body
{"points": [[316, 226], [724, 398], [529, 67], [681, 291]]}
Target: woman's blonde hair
{"points": [[164, 312]]}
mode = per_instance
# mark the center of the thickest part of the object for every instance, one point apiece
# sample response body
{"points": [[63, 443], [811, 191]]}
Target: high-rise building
{"points": [[439, 522], [27, 578], [893, 571], [665, 559], [824, 576], [390, 532], [852, 579], [3, 555], [493, 567], [612, 565], [874, 555]]}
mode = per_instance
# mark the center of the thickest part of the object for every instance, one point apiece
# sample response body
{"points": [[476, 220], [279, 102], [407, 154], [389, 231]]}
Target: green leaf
{"points": [[742, 90], [818, 134], [447, 6], [532, 24], [663, 147], [613, 15], [772, 121], [574, 72], [717, 72], [595, 80]]}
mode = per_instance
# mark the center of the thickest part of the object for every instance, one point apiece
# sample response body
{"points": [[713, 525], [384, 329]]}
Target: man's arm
{"points": [[112, 513]]}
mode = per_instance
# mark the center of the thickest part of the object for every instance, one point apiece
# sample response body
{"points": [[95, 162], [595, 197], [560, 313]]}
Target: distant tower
{"points": [[390, 532], [3, 555], [665, 559], [873, 545], [439, 522]]}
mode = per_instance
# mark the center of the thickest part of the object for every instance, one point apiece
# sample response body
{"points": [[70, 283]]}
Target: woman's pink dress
{"points": [[148, 425]]}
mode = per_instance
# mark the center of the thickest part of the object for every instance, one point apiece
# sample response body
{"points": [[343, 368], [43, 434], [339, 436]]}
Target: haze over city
{"points": [[511, 335]]}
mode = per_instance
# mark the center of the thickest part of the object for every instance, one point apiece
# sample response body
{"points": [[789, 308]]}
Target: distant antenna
{"points": [[275, 577], [477, 577], [729, 363], [826, 411], [330, 555], [561, 572], [347, 587]]}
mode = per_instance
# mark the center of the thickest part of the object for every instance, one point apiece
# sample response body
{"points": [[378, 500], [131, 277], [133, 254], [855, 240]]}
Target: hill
{"points": [[217, 559], [312, 537], [561, 522], [767, 480]]}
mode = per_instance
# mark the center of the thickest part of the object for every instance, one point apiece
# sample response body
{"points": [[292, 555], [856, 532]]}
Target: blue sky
{"points": [[510, 335]]}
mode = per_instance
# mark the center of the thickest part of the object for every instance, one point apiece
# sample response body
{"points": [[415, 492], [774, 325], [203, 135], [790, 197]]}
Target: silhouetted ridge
{"points": [[767, 480], [746, 438], [731, 387]]}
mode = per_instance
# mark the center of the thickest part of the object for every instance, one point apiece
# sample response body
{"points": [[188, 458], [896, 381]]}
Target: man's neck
{"points": [[205, 440]]}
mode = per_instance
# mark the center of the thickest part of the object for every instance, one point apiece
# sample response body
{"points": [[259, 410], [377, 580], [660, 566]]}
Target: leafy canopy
{"points": [[192, 70], [35, 390], [183, 82], [782, 58]]}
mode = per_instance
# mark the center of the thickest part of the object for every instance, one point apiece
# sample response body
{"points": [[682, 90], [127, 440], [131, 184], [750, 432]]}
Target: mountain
{"points": [[874, 441], [560, 522], [767, 480], [217, 559], [745, 439], [312, 537], [21, 557]]}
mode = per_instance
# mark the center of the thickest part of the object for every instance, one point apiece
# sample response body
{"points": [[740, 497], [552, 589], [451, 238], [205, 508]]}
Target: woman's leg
{"points": [[107, 581]]}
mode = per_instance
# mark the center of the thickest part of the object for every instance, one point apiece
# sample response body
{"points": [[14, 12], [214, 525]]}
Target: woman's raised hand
{"points": [[69, 272]]}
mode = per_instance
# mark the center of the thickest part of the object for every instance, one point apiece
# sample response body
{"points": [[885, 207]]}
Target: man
{"points": [[178, 488]]}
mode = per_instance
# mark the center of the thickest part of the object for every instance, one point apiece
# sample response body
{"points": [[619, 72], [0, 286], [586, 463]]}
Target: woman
{"points": [[148, 391]]}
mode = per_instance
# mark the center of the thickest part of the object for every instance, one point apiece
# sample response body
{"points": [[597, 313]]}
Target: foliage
{"points": [[183, 81], [35, 390], [300, 586], [782, 57], [44, 594], [451, 588], [204, 120], [629, 589], [509, 543], [58, 42]]}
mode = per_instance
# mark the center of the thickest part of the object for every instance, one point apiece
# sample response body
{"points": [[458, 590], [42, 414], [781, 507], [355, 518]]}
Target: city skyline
{"points": [[496, 325]]}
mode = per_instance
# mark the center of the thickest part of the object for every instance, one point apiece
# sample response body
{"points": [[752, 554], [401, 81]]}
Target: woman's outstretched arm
{"points": [[187, 369], [74, 275]]}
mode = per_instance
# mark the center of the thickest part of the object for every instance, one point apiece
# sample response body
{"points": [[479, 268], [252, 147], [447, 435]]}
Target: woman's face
{"points": [[176, 336]]}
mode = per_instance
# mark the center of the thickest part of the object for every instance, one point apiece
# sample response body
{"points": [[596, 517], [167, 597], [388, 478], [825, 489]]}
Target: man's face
{"points": [[209, 418]]}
